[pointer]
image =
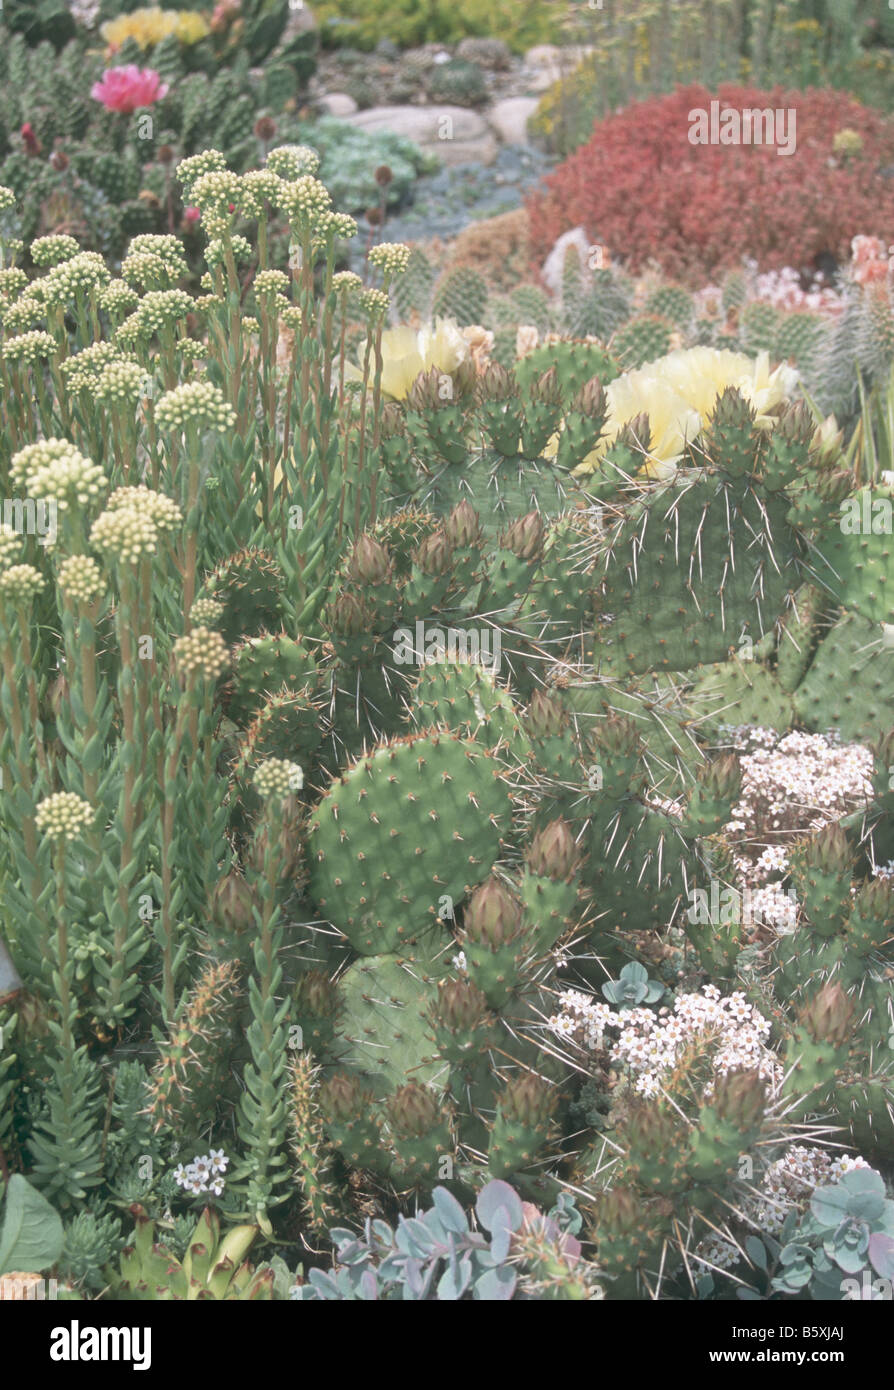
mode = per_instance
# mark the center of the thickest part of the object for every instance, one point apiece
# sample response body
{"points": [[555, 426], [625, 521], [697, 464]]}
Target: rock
{"points": [[489, 53], [541, 79], [551, 273], [509, 118], [338, 104], [453, 133], [543, 55]]}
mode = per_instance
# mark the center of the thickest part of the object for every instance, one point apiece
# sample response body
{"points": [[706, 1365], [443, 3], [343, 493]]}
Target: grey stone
{"points": [[543, 55], [509, 118], [338, 104], [453, 133]]}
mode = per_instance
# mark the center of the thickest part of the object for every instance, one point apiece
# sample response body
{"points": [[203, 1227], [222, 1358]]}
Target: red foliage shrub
{"points": [[642, 188]]}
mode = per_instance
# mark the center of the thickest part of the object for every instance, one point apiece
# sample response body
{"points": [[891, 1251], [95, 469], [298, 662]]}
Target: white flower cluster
{"points": [[53, 469], [191, 169], [159, 308], [63, 815], [163, 510], [120, 382], [168, 248], [257, 188], [12, 281], [204, 1174], [10, 545], [293, 161], [80, 578], [29, 347], [215, 191], [303, 201], [118, 298], [25, 313], [197, 402], [53, 250], [391, 257], [82, 273], [787, 1184], [203, 651], [144, 268], [277, 777], [84, 369], [650, 1045], [791, 786], [774, 906], [20, 583]]}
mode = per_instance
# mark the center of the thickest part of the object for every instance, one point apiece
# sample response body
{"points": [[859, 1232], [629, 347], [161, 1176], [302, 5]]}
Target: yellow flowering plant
{"points": [[678, 393], [408, 351], [148, 26]]}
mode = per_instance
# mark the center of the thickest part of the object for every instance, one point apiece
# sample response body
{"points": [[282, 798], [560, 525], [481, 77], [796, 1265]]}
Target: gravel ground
{"points": [[446, 202]]}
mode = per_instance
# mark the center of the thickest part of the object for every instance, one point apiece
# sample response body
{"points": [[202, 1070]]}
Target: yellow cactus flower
{"points": [[150, 25], [679, 392], [191, 26], [408, 351]]}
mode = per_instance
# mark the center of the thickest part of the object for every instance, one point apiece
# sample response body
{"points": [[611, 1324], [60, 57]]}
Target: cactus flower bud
{"points": [[435, 555], [829, 1016], [232, 903], [590, 399], [796, 424], [496, 384], [425, 392], [369, 563], [620, 1212], [493, 915], [833, 485], [553, 852], [545, 715], [618, 736], [741, 1097], [527, 1100], [875, 900], [316, 996], [732, 411], [546, 389], [525, 537], [636, 434], [343, 1098], [826, 440], [722, 778], [348, 616], [392, 421], [463, 526], [650, 1129], [461, 1006], [413, 1111], [828, 850]]}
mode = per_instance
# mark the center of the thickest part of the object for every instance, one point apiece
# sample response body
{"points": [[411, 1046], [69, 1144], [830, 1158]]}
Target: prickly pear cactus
{"points": [[386, 839]]}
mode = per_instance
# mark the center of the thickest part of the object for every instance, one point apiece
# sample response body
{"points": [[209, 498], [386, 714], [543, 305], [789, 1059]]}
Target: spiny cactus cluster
{"points": [[370, 829]]}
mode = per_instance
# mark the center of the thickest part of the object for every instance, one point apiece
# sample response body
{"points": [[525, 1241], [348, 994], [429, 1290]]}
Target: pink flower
{"points": [[124, 89], [191, 216]]}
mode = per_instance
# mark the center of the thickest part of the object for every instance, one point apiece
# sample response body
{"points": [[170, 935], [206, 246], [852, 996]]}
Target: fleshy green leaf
{"points": [[31, 1236]]}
